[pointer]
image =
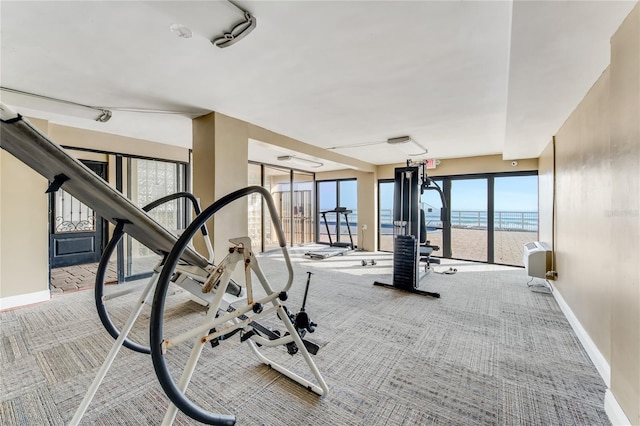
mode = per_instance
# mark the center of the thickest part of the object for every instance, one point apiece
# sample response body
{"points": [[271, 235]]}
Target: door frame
{"points": [[101, 232]]}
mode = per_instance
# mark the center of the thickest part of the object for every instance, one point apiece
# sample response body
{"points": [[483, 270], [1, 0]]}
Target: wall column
{"points": [[220, 166], [24, 232], [367, 211]]}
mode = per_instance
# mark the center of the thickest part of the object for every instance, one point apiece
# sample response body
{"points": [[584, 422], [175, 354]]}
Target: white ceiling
{"points": [[462, 78]]}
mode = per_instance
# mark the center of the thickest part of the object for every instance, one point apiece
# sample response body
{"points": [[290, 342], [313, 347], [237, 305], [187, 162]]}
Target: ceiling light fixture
{"points": [[300, 161], [399, 140], [238, 32], [405, 139]]}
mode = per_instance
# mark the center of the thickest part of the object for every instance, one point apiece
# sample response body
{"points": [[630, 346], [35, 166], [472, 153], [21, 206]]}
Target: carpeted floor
{"points": [[489, 351]]}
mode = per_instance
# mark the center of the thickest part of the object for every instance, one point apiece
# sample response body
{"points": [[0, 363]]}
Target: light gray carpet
{"points": [[488, 352]]}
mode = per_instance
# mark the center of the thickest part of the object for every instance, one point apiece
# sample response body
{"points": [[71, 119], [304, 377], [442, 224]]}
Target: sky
{"points": [[518, 193]]}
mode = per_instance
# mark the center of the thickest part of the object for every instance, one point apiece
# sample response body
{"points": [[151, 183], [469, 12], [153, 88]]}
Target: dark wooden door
{"points": [[77, 233]]}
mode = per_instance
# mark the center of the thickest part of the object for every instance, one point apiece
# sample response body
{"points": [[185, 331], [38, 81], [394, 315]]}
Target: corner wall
{"points": [[598, 220], [624, 215]]}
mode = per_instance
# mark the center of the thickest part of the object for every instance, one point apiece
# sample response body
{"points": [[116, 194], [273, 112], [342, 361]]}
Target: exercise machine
{"points": [[229, 307], [410, 245], [337, 247]]}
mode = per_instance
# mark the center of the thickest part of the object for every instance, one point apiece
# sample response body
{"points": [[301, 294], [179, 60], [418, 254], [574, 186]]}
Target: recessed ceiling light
{"points": [[181, 30]]}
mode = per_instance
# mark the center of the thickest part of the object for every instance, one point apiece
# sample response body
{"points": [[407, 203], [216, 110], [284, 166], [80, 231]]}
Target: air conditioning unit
{"points": [[537, 259]]}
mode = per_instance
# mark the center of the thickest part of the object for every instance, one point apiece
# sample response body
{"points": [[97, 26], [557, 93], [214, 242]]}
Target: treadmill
{"points": [[337, 247]]}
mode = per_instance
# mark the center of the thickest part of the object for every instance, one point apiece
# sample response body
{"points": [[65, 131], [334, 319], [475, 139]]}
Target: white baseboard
{"points": [[614, 411], [611, 407], [24, 299], [592, 350]]}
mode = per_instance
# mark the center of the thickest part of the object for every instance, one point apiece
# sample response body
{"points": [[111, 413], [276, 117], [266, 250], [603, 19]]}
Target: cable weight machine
{"points": [[410, 245]]}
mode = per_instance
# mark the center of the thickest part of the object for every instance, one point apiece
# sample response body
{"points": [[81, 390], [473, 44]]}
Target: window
{"points": [[293, 195], [255, 207], [147, 181], [385, 215], [469, 238], [515, 220], [333, 194], [492, 216]]}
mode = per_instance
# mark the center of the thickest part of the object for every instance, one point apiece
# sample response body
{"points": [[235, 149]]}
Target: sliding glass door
{"points": [[515, 217], [303, 213], [276, 181], [431, 203], [293, 193], [469, 238], [492, 216]]}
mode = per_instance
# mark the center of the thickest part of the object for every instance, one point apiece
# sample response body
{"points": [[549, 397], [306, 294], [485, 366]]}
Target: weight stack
{"points": [[405, 262]]}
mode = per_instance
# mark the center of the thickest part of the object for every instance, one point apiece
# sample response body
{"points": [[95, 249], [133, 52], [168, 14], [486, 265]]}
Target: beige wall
{"points": [[597, 214], [466, 166], [367, 211], [24, 238], [624, 215], [583, 184], [24, 234], [98, 141], [220, 166]]}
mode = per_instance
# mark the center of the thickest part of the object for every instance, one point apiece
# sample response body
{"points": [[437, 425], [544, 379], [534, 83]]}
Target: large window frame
{"points": [[446, 249], [120, 161], [179, 211], [353, 223], [290, 225]]}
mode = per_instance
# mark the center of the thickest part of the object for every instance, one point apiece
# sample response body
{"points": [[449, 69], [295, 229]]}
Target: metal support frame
{"points": [[27, 144], [223, 319]]}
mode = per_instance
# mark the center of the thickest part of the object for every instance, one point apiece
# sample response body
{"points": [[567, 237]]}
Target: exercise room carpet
{"points": [[489, 351]]}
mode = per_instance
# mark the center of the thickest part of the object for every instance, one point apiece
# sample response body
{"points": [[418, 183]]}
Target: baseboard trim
{"points": [[611, 407], [592, 350], [24, 299], [614, 411]]}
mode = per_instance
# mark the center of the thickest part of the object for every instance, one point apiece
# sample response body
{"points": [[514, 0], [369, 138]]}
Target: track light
{"points": [[105, 116], [300, 161], [398, 140], [404, 139]]}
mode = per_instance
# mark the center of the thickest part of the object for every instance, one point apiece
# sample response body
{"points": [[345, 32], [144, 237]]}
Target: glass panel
{"points": [[303, 214], [515, 217], [431, 203], [469, 219], [255, 208], [149, 180], [277, 181], [72, 215], [327, 196], [385, 216], [349, 199]]}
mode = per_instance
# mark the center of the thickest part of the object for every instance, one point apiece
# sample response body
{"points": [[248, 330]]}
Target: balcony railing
{"points": [[472, 219]]}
